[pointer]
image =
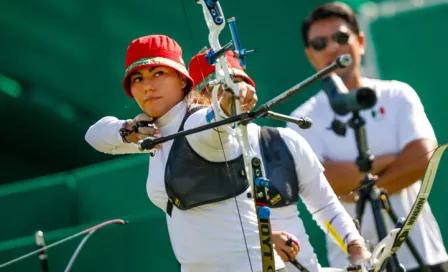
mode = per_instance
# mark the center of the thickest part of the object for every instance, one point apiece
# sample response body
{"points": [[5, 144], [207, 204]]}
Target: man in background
{"points": [[399, 135]]}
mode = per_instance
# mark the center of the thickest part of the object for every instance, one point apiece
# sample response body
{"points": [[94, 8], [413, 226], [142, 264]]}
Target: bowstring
{"points": [[228, 167], [357, 189]]}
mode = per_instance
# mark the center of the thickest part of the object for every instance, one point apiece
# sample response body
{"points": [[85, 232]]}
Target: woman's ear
{"points": [[183, 80]]}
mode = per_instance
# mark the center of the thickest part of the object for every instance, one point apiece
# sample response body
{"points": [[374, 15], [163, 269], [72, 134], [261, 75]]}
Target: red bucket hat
{"points": [[202, 72], [153, 50]]}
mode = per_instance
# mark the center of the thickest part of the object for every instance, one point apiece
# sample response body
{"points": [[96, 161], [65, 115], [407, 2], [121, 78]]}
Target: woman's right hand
{"points": [[141, 132]]}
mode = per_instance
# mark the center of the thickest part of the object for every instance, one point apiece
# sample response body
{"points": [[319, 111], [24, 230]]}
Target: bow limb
{"points": [[214, 19], [396, 237], [390, 244]]}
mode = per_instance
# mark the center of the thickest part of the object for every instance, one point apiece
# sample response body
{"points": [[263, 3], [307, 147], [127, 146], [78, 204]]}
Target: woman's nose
{"points": [[148, 86]]}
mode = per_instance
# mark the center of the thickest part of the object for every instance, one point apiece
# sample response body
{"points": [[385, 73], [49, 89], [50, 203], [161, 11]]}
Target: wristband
{"points": [[124, 132]]}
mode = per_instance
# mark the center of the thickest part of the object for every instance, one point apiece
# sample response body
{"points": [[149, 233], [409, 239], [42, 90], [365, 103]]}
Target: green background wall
{"points": [[68, 59]]}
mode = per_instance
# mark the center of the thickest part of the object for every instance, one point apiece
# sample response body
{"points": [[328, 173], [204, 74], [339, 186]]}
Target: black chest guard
{"points": [[191, 181]]}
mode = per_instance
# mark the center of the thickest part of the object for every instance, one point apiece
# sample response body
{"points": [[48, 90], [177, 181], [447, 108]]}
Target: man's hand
{"points": [[285, 251], [248, 98], [142, 132]]}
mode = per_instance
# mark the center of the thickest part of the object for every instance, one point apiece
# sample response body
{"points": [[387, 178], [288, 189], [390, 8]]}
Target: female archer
{"points": [[196, 179], [295, 172]]}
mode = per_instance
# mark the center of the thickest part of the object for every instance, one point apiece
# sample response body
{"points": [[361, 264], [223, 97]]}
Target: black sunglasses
{"points": [[320, 43]]}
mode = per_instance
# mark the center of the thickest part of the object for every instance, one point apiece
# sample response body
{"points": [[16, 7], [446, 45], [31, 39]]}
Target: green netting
{"points": [[113, 189], [47, 203]]}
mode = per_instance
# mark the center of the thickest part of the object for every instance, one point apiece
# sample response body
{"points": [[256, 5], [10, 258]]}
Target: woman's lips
{"points": [[152, 99]]}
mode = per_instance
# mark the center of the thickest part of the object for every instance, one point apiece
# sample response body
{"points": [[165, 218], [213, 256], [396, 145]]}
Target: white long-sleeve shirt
{"points": [[209, 237], [397, 119]]}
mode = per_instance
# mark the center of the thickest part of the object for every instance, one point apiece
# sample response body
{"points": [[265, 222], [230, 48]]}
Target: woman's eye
{"points": [[137, 79], [158, 73]]}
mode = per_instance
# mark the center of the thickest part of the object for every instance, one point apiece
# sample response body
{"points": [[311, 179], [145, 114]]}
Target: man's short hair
{"points": [[329, 10]]}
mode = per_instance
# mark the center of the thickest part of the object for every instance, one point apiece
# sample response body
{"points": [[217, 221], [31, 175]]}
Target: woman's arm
{"points": [[104, 136], [214, 145], [317, 194], [333, 219], [217, 144], [328, 212]]}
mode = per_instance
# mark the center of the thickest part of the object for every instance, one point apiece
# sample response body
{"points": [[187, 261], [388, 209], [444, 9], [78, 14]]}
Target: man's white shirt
{"points": [[397, 119]]}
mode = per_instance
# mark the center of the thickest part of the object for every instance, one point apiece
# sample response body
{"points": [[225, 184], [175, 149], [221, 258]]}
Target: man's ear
{"points": [[362, 43], [310, 56]]}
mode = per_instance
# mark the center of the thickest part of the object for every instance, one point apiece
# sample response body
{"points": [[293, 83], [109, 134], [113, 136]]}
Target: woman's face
{"points": [[157, 89]]}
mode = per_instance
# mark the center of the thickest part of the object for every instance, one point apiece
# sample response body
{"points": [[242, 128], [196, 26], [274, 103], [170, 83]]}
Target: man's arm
{"points": [[409, 167], [344, 176], [416, 139]]}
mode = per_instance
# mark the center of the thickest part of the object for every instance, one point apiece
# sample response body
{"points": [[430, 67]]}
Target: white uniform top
{"points": [[209, 237], [397, 119]]}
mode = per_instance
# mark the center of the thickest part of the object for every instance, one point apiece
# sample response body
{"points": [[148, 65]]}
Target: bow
{"points": [[253, 165]]}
